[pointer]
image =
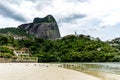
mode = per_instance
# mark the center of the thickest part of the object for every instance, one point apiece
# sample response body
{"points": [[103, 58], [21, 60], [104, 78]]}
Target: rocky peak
{"points": [[45, 28], [48, 18]]}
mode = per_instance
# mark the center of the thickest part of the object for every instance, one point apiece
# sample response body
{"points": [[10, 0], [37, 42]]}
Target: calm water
{"points": [[104, 71], [113, 68]]}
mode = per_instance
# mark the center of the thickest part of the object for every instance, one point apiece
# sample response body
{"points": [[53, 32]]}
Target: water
{"points": [[102, 67], [104, 71]]}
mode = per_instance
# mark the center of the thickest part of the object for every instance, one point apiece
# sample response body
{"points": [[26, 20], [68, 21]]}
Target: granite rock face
{"points": [[45, 28]]}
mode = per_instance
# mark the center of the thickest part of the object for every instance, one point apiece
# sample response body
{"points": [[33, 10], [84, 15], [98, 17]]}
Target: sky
{"points": [[97, 18]]}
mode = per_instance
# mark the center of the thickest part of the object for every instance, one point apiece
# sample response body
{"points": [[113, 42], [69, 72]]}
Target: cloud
{"points": [[32, 0], [76, 0], [84, 16], [10, 1], [9, 13], [43, 4], [108, 33], [72, 18]]}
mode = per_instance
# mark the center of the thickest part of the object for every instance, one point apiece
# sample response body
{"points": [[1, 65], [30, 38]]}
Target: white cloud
{"points": [[101, 16], [7, 22]]}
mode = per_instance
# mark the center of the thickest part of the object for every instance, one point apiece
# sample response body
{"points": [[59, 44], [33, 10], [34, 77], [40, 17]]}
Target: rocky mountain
{"points": [[45, 28]]}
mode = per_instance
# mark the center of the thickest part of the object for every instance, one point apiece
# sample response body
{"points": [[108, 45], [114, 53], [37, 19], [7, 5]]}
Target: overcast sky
{"points": [[98, 18]]}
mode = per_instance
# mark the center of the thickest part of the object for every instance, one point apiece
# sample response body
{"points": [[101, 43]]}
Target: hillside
{"points": [[41, 39], [80, 48], [115, 43], [70, 48], [14, 32]]}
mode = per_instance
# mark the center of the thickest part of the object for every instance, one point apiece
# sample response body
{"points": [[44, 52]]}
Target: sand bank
{"points": [[35, 71]]}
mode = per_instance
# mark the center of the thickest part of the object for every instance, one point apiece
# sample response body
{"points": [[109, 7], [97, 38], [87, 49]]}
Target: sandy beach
{"points": [[36, 71]]}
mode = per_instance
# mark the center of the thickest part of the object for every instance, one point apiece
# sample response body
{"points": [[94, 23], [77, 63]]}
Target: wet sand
{"points": [[103, 75], [35, 71]]}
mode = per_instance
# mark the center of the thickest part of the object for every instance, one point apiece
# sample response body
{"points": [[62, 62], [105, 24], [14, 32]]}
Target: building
{"points": [[22, 52], [19, 37]]}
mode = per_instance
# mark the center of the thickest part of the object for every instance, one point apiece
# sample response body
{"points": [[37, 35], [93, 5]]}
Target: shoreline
{"points": [[100, 75], [40, 71], [103, 75]]}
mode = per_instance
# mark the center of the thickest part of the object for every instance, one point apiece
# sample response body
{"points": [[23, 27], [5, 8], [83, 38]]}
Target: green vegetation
{"points": [[47, 19], [5, 52], [115, 43], [70, 48], [14, 32]]}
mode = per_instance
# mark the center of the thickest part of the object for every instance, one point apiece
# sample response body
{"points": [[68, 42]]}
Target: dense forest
{"points": [[70, 48]]}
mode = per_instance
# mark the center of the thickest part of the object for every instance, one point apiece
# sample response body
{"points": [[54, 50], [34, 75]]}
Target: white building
{"points": [[22, 52]]}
